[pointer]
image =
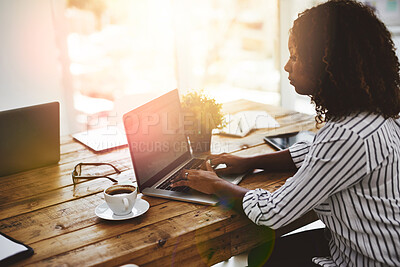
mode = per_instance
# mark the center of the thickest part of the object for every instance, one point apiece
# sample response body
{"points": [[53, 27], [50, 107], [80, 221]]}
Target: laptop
{"points": [[160, 150], [30, 137]]}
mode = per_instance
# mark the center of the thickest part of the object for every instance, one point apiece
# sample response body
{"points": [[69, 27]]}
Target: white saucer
{"points": [[104, 212]]}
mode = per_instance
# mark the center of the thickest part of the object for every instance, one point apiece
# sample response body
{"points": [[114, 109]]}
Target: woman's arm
{"points": [[207, 181], [277, 161], [230, 195], [334, 163]]}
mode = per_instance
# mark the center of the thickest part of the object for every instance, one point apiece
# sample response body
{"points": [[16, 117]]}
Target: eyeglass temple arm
{"points": [[95, 177], [98, 164]]}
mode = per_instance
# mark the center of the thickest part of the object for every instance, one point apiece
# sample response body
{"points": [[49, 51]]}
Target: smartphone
{"points": [[284, 141]]}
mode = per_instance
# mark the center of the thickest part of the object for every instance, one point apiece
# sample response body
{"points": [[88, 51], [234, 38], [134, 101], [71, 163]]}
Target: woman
{"points": [[342, 56]]}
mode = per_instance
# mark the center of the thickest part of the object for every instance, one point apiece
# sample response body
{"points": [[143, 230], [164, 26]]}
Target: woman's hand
{"points": [[206, 181], [234, 164]]}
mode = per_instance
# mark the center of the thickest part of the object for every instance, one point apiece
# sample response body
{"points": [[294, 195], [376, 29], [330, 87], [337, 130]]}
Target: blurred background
{"points": [[98, 57]]}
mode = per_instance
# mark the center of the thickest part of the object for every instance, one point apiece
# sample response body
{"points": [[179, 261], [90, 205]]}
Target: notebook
{"points": [[12, 250], [30, 137], [103, 138], [242, 123], [113, 135], [160, 149]]}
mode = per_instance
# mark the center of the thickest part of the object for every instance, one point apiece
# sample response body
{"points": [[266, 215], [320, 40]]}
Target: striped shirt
{"points": [[350, 176]]}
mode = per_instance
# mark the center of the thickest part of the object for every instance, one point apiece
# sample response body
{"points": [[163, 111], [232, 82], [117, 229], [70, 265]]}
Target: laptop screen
{"points": [[156, 138]]}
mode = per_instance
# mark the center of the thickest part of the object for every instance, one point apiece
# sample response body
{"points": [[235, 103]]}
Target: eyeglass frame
{"points": [[74, 172]]}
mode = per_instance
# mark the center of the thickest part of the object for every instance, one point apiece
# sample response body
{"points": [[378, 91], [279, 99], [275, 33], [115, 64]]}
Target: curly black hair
{"points": [[350, 53]]}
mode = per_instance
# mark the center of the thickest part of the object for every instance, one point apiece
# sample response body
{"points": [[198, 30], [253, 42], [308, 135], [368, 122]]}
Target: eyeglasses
{"points": [[77, 172]]}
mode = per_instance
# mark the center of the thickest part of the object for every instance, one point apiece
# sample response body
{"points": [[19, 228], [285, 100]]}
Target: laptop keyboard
{"points": [[166, 185]]}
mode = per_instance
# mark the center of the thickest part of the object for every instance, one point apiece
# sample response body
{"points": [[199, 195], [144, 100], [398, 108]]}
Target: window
{"points": [[122, 49]]}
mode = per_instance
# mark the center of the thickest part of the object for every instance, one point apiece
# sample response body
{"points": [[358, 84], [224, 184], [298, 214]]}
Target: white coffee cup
{"points": [[120, 198]]}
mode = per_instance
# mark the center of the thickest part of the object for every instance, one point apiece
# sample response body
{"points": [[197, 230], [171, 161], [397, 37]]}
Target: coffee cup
{"points": [[120, 198]]}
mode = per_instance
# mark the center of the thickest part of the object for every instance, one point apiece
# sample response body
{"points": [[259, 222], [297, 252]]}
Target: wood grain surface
{"points": [[45, 210]]}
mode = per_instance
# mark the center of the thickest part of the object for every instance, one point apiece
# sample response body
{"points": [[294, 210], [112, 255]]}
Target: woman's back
{"points": [[364, 218]]}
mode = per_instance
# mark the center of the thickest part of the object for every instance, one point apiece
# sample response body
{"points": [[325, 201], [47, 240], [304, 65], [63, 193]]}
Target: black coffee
{"points": [[118, 191]]}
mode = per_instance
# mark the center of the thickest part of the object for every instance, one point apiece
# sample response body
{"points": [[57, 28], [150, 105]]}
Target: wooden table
{"points": [[43, 209]]}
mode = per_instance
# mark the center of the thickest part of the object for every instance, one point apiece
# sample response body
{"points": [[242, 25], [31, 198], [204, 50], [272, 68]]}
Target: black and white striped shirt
{"points": [[350, 176]]}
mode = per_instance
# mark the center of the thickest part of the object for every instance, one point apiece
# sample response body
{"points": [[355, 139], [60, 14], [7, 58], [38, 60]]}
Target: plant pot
{"points": [[200, 143]]}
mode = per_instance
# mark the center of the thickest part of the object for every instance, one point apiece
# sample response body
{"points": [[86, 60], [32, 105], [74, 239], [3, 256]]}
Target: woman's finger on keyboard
{"points": [[217, 159]]}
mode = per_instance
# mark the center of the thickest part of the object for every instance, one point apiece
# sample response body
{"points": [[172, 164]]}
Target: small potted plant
{"points": [[201, 115]]}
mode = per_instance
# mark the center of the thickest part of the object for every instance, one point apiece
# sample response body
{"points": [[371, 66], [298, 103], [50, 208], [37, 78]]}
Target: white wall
{"points": [[30, 72]]}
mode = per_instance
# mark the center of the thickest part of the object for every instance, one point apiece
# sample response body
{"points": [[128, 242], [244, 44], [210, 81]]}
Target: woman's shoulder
{"points": [[363, 124], [356, 129]]}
